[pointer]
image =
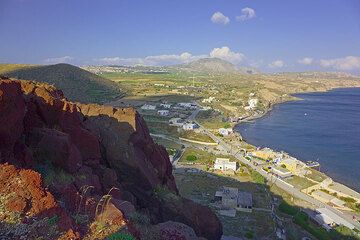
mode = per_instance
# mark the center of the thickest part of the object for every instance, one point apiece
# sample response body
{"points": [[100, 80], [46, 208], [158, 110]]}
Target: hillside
{"points": [[86, 171], [78, 84], [208, 65]]}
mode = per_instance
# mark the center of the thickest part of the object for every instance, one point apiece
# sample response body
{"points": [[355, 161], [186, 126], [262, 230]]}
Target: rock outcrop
{"points": [[82, 163]]}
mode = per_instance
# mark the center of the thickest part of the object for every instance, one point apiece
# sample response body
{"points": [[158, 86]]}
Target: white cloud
{"points": [[65, 59], [246, 13], [171, 59], [226, 54], [155, 60], [306, 61], [276, 64], [345, 63], [220, 18]]}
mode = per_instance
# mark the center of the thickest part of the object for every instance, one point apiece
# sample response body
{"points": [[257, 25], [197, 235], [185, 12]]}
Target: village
{"points": [[204, 149]]}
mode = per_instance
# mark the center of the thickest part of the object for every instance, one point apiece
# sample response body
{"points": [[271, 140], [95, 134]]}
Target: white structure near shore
{"points": [[224, 164], [225, 131], [252, 104], [328, 219]]}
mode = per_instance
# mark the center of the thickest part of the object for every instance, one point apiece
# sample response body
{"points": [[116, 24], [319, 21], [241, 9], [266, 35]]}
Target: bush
{"points": [[257, 177], [249, 234], [288, 209], [120, 236], [191, 158], [53, 220]]}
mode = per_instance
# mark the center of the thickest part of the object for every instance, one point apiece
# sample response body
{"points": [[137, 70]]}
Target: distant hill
{"points": [[214, 65], [77, 84]]}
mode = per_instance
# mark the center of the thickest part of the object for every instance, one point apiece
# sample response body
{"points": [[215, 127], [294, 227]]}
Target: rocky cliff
{"points": [[76, 171]]}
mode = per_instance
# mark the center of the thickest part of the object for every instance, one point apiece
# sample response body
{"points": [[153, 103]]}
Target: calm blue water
{"points": [[323, 127]]}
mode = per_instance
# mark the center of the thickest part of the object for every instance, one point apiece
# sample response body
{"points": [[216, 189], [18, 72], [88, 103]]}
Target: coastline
{"points": [[253, 118]]}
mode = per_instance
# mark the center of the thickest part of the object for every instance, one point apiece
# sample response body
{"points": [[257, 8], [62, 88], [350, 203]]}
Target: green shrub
{"points": [[249, 234], [257, 177], [53, 220], [191, 158], [121, 236], [288, 209]]}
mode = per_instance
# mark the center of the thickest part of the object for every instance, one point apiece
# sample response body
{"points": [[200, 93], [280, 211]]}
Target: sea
{"points": [[323, 127]]}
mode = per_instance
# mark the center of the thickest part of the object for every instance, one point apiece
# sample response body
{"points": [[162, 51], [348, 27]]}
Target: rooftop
{"points": [[338, 220], [245, 198], [344, 189]]}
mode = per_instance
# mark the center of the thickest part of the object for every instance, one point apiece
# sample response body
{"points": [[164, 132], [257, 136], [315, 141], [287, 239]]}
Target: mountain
{"points": [[78, 84], [208, 65], [86, 171]]}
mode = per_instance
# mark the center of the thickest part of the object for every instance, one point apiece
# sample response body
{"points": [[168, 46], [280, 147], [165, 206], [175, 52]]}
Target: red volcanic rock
{"points": [[176, 231], [108, 151], [85, 177], [124, 206], [70, 122], [129, 149], [111, 214], [48, 107], [193, 215], [56, 147], [26, 195], [12, 109]]}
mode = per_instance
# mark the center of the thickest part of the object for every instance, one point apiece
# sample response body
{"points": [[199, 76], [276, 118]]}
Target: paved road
{"points": [[281, 184]]}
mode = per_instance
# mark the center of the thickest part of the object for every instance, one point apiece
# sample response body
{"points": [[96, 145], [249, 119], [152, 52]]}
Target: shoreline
{"points": [[292, 98], [252, 118]]}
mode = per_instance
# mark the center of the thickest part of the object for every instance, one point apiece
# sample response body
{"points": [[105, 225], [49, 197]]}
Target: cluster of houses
{"points": [[181, 123], [283, 165], [163, 109]]}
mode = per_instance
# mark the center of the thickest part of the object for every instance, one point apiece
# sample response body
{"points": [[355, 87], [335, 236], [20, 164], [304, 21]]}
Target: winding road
{"points": [[270, 178]]}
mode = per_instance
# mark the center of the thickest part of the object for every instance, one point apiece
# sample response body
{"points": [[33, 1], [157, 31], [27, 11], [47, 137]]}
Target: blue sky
{"points": [[277, 35]]}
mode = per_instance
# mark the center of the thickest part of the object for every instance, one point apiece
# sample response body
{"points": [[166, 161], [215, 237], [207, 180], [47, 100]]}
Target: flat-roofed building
{"points": [[178, 122], [281, 172], [224, 164], [327, 198], [344, 191], [232, 198], [328, 219], [163, 112], [148, 107]]}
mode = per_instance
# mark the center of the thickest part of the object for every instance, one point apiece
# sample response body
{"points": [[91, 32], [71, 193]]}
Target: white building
{"points": [[281, 172], [252, 104], [178, 122], [208, 100], [328, 219], [188, 105], [225, 131], [165, 105], [163, 112], [148, 107], [190, 126], [224, 164]]}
